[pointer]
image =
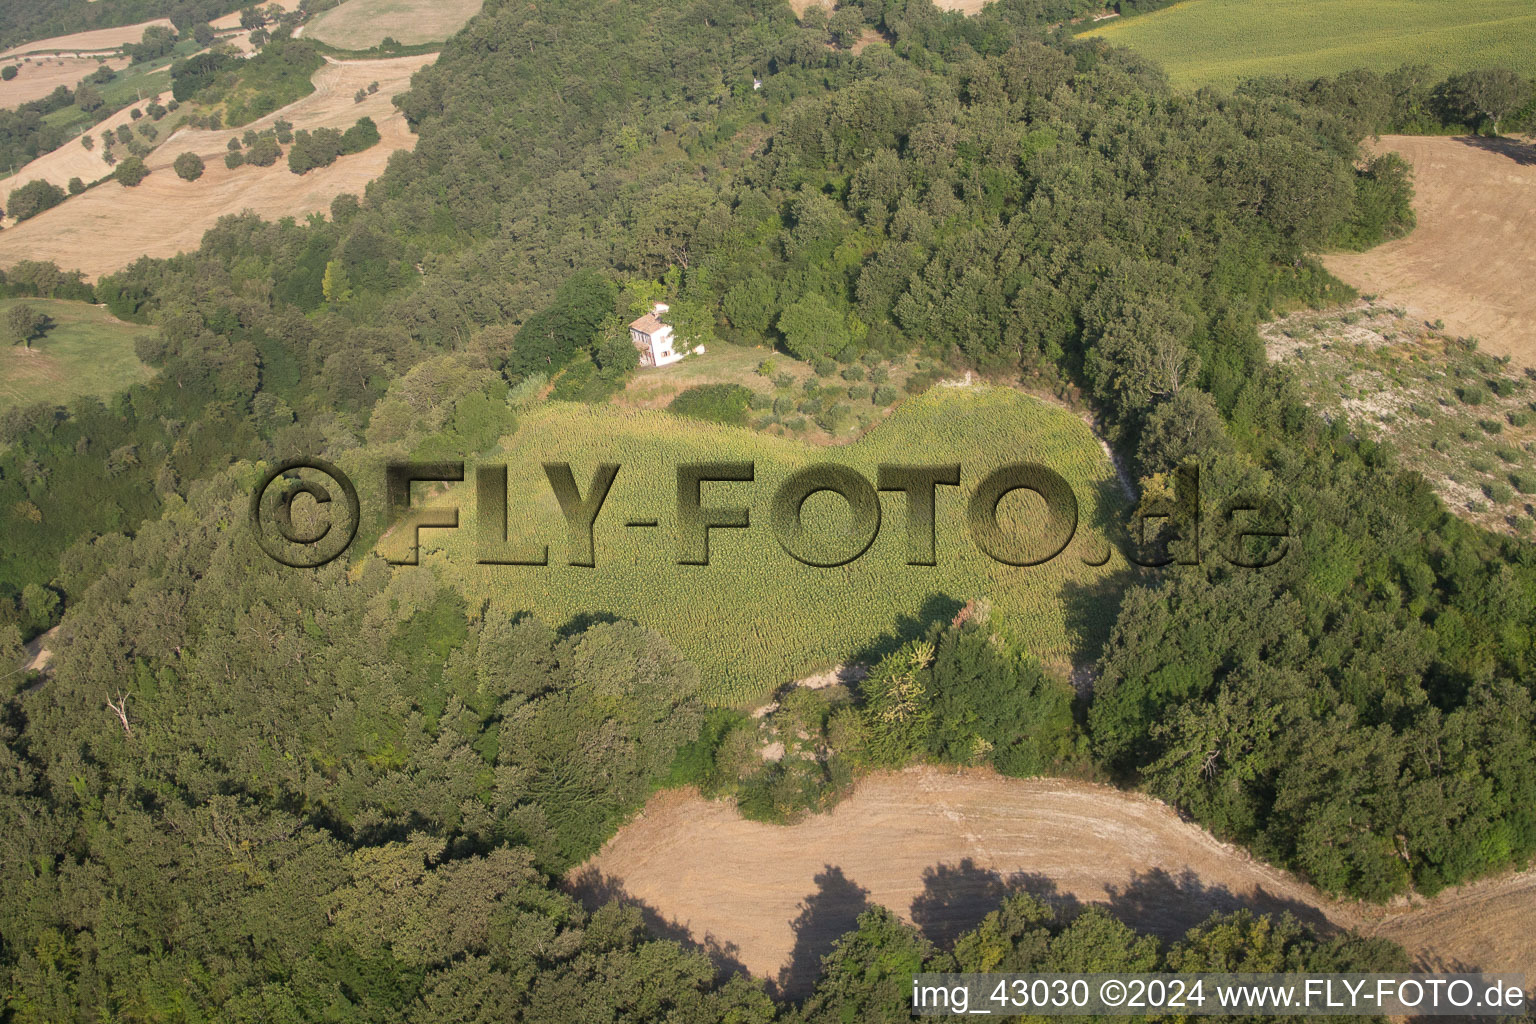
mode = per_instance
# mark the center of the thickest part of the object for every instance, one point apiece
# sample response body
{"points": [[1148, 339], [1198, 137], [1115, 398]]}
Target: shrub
{"points": [[760, 401], [131, 171], [234, 159], [234, 145], [9, 72], [858, 393], [884, 395], [1498, 492], [879, 375], [1481, 463], [823, 367], [76, 186], [1472, 394], [1519, 419], [783, 380], [719, 403], [189, 166], [1491, 426], [854, 372], [1524, 481], [783, 405]]}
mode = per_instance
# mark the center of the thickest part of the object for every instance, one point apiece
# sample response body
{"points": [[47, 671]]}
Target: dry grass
{"points": [[903, 839], [110, 226], [98, 40], [360, 24], [39, 76], [72, 160], [1472, 258]]}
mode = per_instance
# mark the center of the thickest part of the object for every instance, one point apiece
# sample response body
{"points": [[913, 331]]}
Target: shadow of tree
{"points": [[955, 898], [593, 889], [1522, 153], [935, 608], [1168, 905], [825, 916]]}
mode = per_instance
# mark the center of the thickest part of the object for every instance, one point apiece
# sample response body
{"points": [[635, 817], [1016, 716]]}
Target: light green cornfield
{"points": [[1221, 42], [755, 618]]}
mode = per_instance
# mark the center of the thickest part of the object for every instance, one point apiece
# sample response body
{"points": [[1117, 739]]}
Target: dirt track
{"points": [[110, 226], [939, 848], [1472, 258]]}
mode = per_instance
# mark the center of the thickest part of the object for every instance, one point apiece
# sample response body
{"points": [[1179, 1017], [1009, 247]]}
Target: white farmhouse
{"points": [[653, 338]]}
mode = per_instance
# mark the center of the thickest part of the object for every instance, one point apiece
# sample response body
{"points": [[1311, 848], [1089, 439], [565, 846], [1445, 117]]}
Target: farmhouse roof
{"points": [[647, 324]]}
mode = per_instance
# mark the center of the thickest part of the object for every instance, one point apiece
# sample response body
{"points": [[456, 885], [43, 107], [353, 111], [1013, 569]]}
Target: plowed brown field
{"points": [[1472, 259], [940, 848]]}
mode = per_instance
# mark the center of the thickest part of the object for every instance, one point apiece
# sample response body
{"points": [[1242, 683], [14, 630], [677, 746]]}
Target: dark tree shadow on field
{"points": [[1522, 153], [578, 624], [1168, 905], [825, 916], [955, 898], [592, 889], [935, 608]]}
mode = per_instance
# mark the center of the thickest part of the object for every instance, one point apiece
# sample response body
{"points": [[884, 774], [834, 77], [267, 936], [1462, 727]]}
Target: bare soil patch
{"points": [[110, 226], [1472, 257], [96, 40], [940, 849], [38, 76]]}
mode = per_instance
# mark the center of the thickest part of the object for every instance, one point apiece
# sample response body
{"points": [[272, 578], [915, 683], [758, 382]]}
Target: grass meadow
{"points": [[86, 352], [754, 618], [1220, 42]]}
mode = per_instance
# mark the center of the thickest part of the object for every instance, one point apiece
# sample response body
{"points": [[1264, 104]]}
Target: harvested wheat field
{"points": [[110, 226], [73, 160], [360, 24], [95, 41], [38, 76], [940, 848], [1471, 260]]}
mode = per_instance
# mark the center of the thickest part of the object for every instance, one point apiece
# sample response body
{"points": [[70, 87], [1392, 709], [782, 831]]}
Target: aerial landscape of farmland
{"points": [[723, 510]]}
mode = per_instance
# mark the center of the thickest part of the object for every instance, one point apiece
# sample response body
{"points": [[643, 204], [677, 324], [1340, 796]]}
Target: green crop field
{"points": [[1220, 42], [755, 618], [86, 352]]}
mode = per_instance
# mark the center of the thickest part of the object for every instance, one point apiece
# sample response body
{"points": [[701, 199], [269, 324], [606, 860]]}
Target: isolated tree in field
{"points": [[9, 72], [131, 171], [189, 166], [1490, 95], [76, 186], [22, 324], [33, 198], [88, 141]]}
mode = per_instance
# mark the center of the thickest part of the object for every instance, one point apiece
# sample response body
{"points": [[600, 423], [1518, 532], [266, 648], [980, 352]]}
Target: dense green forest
{"points": [[241, 786]]}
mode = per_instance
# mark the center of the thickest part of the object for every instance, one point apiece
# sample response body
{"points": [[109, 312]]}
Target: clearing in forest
{"points": [[1221, 42], [1464, 419], [940, 848], [754, 617], [1472, 258], [85, 351], [108, 227], [361, 24]]}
